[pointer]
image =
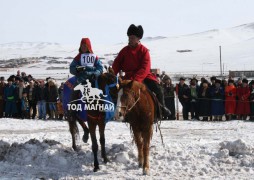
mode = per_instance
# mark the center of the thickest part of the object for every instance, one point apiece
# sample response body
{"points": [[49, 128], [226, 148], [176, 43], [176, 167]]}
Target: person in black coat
{"points": [[169, 96], [204, 101], [184, 97]]}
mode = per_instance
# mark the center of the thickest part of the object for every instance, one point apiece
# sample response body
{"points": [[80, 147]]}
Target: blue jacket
{"points": [[93, 66]]}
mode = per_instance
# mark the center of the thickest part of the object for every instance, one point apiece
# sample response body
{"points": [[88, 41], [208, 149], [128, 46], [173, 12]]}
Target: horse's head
{"points": [[128, 97]]}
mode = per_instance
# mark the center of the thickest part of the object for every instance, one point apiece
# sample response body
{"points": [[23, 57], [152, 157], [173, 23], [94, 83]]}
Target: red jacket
{"points": [[135, 62], [243, 104]]}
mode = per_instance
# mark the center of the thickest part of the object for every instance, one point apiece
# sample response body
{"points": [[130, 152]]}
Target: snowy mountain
{"points": [[193, 53]]}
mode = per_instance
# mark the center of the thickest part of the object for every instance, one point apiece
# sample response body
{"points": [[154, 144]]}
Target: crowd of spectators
{"points": [[23, 96], [215, 100]]}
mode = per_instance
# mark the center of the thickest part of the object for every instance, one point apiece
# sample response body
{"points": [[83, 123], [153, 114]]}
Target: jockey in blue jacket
{"points": [[86, 64]]}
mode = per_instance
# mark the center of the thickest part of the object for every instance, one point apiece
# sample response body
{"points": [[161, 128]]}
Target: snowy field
{"points": [[33, 149]]}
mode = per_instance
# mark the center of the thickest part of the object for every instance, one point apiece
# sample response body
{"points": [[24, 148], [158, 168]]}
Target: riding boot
{"points": [[165, 111], [157, 89]]}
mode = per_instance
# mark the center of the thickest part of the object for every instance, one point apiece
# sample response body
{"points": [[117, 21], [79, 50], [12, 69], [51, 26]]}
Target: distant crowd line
{"points": [[210, 100], [22, 96]]}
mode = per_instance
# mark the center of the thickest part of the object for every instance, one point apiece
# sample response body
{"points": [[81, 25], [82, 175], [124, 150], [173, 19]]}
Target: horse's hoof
{"points": [[146, 172], [96, 169], [140, 165], [106, 160], [85, 137]]}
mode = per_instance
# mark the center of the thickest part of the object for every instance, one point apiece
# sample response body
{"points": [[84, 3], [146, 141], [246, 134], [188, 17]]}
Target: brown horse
{"points": [[137, 105], [94, 118]]}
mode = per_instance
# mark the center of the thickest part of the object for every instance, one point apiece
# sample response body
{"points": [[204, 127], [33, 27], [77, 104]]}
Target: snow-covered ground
{"points": [[31, 149]]}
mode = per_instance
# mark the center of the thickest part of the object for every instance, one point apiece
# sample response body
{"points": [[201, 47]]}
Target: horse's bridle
{"points": [[129, 109]]}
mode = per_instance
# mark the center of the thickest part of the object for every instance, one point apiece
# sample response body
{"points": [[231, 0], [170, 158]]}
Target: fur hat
{"points": [[245, 81], [135, 30]]}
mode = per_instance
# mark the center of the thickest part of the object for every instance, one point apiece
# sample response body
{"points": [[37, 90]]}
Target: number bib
{"points": [[87, 59]]}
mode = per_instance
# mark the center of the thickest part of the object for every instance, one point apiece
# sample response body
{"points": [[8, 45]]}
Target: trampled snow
{"points": [[31, 149]]}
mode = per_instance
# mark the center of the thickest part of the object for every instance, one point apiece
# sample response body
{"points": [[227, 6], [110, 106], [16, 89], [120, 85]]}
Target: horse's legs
{"points": [[139, 143], [102, 140], [74, 132], [146, 149], [92, 129], [86, 131]]}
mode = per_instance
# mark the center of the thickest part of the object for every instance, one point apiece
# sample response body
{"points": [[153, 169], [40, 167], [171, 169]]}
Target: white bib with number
{"points": [[87, 59]]}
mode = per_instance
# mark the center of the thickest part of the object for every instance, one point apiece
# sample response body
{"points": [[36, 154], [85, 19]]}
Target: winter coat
{"points": [[217, 101], [10, 97], [41, 93], [169, 91], [252, 101], [135, 62], [183, 90], [33, 99], [52, 93], [204, 102], [230, 99], [89, 60], [24, 104], [243, 104]]}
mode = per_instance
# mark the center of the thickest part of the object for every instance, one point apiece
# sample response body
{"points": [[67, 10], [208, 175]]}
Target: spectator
{"points": [[194, 89], [252, 100], [239, 83], [60, 111], [183, 97], [243, 105], [230, 99], [52, 98], [19, 91], [2, 101], [60, 92], [24, 77], [41, 94], [163, 77], [30, 89], [10, 96], [24, 105], [217, 101], [204, 101], [18, 74], [169, 96]]}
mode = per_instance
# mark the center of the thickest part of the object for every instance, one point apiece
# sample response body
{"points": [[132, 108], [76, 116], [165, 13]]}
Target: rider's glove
{"points": [[80, 68], [89, 68], [88, 73]]}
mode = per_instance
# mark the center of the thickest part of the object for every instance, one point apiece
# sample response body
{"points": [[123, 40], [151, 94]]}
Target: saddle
{"points": [[157, 109]]}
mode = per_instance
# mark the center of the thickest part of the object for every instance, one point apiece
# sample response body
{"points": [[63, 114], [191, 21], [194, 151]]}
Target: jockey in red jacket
{"points": [[134, 59]]}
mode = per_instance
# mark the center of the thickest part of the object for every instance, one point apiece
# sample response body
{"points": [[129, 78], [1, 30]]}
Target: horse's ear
{"points": [[142, 87], [106, 67], [139, 85], [111, 70]]}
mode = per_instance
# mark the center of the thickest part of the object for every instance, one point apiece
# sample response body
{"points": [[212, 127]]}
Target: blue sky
{"points": [[106, 21]]}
